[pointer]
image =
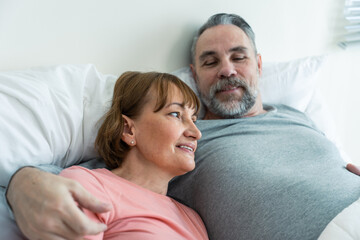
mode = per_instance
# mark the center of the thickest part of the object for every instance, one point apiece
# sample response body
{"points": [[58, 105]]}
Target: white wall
{"points": [[119, 35]]}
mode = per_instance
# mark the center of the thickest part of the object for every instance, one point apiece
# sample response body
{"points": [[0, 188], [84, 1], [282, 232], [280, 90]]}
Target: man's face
{"points": [[226, 71]]}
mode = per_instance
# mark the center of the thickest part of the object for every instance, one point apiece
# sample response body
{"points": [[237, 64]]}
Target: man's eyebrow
{"points": [[239, 49], [205, 54]]}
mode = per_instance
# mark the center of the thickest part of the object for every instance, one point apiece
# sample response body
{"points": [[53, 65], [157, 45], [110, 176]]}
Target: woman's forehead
{"points": [[173, 93]]}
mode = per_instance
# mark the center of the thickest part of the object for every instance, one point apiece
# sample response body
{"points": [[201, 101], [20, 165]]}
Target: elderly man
{"points": [[263, 171]]}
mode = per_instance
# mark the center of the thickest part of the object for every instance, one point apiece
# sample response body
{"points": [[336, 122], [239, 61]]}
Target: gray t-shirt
{"points": [[273, 176]]}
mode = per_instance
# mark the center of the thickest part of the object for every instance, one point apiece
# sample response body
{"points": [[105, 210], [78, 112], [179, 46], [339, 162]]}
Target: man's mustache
{"points": [[225, 83]]}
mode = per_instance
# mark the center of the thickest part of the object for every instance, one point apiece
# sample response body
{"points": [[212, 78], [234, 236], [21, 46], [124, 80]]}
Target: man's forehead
{"points": [[227, 38]]}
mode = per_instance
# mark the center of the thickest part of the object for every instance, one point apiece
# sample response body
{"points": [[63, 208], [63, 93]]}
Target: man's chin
{"points": [[230, 109], [229, 96], [228, 105], [226, 110]]}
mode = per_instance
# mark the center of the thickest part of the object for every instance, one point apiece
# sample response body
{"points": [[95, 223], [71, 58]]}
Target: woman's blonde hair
{"points": [[130, 95]]}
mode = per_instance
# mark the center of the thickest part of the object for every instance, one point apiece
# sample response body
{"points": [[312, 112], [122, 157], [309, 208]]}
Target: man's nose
{"points": [[227, 69]]}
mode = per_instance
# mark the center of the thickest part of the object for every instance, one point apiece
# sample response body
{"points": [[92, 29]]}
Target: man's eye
{"points": [[209, 63], [239, 58], [175, 114]]}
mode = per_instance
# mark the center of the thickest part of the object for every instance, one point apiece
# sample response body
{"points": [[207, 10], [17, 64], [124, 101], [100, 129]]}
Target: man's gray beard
{"points": [[230, 107]]}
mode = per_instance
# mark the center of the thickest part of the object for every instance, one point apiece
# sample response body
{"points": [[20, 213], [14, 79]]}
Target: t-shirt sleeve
{"points": [[91, 183]]}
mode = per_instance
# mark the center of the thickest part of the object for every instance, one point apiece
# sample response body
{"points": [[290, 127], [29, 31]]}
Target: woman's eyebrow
{"points": [[182, 105]]}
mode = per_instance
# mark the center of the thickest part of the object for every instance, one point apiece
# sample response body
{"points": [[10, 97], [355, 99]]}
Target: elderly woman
{"points": [[147, 137]]}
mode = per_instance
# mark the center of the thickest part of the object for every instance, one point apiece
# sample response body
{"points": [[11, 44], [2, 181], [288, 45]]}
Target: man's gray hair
{"points": [[224, 19]]}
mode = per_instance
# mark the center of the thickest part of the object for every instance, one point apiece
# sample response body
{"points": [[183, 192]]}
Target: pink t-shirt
{"points": [[138, 213]]}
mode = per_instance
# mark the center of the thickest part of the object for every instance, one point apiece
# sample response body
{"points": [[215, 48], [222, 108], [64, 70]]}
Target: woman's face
{"points": [[167, 139]]}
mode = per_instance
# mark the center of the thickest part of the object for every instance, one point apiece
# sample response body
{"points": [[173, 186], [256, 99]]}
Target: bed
{"points": [[60, 61]]}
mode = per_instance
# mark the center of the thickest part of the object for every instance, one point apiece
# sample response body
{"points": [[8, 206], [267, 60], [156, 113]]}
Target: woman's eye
{"points": [[175, 114]]}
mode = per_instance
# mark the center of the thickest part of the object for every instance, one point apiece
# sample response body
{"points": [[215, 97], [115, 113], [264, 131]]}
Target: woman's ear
{"points": [[128, 134]]}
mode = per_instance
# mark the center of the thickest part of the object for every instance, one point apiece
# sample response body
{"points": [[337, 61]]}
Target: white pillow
{"points": [[292, 83], [47, 115]]}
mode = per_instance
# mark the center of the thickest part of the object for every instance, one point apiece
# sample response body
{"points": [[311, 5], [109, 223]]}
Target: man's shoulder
{"points": [[282, 109], [286, 112]]}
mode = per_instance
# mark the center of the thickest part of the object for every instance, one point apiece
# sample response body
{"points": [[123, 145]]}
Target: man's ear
{"points": [[192, 67], [259, 64], [128, 134]]}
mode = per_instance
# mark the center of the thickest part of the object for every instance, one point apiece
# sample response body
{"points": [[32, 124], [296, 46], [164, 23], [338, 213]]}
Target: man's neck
{"points": [[256, 110]]}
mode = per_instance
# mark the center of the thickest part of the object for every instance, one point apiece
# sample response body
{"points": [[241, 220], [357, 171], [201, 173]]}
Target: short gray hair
{"points": [[224, 19]]}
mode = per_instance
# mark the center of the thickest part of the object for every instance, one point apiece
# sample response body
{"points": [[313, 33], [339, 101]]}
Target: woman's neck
{"points": [[143, 174]]}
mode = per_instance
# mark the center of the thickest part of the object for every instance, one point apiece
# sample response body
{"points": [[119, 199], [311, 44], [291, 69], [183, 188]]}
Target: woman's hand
{"points": [[45, 206]]}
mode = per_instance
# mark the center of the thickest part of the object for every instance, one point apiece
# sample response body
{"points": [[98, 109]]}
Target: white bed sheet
{"points": [[9, 229]]}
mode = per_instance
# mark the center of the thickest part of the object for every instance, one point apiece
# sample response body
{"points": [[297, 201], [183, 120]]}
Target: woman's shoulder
{"points": [[78, 172], [187, 210], [93, 180]]}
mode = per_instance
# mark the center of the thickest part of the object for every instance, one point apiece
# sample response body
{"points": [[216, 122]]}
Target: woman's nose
{"points": [[193, 131]]}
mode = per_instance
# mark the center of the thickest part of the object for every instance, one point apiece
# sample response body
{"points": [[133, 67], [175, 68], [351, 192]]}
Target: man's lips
{"points": [[228, 89]]}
